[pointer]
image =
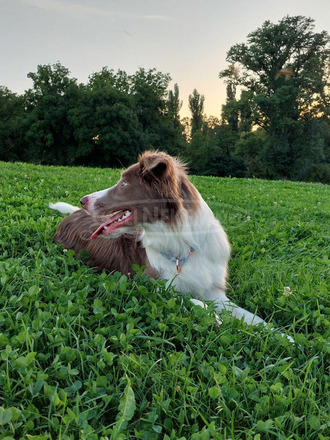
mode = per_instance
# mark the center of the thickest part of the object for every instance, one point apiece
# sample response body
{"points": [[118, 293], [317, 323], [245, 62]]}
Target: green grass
{"points": [[91, 356]]}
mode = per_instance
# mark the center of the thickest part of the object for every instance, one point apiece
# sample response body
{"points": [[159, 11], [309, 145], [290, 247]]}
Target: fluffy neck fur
{"points": [[200, 231]]}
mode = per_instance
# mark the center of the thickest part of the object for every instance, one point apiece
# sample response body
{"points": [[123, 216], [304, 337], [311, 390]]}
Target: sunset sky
{"points": [[186, 38]]}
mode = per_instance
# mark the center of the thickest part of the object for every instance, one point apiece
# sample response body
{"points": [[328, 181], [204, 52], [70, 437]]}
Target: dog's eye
{"points": [[123, 183]]}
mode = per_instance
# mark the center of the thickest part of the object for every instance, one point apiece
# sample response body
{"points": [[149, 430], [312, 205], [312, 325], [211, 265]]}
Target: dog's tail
{"points": [[63, 208]]}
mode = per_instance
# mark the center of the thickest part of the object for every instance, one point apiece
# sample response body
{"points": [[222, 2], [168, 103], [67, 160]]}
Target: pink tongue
{"points": [[110, 225]]}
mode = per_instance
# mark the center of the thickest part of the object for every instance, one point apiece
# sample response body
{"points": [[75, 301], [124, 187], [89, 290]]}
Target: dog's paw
{"points": [[197, 302], [287, 337]]}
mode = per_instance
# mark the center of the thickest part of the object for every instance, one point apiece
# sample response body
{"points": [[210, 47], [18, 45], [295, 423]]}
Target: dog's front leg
{"points": [[221, 302]]}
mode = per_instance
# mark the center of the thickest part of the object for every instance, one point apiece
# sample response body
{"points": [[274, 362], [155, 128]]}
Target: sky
{"points": [[188, 39]]}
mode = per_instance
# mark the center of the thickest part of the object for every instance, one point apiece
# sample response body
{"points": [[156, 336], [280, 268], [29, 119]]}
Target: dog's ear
{"points": [[155, 166], [158, 171]]}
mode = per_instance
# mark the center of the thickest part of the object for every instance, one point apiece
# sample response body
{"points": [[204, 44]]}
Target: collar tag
{"points": [[179, 262], [178, 267]]}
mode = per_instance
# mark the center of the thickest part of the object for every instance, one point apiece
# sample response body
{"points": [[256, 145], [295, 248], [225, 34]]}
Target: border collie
{"points": [[155, 217]]}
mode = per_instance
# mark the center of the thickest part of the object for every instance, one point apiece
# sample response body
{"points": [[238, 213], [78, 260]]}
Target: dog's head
{"points": [[155, 188]]}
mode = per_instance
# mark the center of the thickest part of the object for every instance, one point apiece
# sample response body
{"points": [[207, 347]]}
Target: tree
{"points": [[149, 92], [11, 106], [45, 132], [196, 106], [173, 103], [51, 80], [283, 65], [212, 125], [106, 122], [252, 148], [106, 77], [202, 154], [172, 128], [105, 128], [240, 114], [230, 109], [148, 89]]}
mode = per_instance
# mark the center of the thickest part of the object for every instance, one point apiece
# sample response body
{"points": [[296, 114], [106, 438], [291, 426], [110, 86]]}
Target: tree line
{"points": [[274, 124]]}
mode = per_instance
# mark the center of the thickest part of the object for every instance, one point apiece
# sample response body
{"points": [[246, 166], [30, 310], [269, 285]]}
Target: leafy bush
{"points": [[319, 173]]}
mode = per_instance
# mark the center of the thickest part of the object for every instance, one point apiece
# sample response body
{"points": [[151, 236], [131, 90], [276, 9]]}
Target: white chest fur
{"points": [[206, 268]]}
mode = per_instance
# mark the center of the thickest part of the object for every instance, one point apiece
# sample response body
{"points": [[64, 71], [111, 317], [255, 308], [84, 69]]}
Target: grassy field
{"points": [[92, 356]]}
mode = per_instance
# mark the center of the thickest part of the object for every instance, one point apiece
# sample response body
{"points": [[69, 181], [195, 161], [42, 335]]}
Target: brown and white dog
{"points": [[154, 216]]}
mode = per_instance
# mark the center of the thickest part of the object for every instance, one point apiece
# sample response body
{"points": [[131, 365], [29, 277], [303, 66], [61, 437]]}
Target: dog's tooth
{"points": [[123, 217]]}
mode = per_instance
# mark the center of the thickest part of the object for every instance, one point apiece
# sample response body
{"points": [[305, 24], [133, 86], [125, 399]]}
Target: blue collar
{"points": [[179, 262]]}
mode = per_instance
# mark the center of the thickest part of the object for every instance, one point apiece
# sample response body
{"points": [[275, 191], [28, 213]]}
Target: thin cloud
{"points": [[69, 8], [78, 9]]}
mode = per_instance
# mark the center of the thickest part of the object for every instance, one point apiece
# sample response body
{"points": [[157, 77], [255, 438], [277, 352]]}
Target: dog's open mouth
{"points": [[115, 221]]}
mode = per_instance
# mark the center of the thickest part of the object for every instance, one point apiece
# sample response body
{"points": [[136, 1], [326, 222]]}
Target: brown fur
{"points": [[158, 171], [110, 254], [168, 175]]}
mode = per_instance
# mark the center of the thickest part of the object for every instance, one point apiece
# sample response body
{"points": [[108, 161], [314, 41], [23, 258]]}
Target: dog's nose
{"points": [[84, 201]]}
